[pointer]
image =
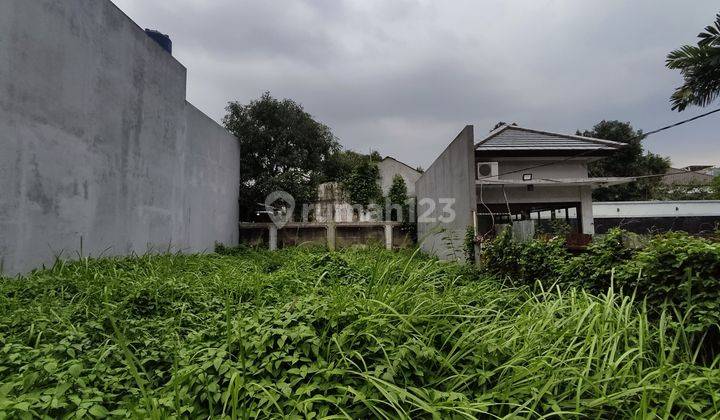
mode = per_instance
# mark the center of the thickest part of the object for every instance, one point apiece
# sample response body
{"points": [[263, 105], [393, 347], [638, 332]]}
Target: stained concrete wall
{"points": [[97, 142], [450, 176]]}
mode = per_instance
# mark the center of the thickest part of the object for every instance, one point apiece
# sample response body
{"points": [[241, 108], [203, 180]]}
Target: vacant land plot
{"points": [[308, 334]]}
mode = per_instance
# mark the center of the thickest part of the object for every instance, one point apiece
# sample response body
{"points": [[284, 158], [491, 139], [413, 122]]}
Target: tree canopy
{"points": [[700, 67], [283, 148], [631, 160]]}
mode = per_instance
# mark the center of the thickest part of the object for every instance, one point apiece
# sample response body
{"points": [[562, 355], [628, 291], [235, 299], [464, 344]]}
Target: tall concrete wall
{"points": [[98, 144], [451, 176]]}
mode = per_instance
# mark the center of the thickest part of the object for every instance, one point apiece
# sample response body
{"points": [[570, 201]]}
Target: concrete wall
{"points": [[390, 167], [98, 143], [452, 175]]}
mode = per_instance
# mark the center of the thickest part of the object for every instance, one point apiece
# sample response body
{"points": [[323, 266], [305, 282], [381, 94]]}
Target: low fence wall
{"points": [[696, 217], [330, 235]]}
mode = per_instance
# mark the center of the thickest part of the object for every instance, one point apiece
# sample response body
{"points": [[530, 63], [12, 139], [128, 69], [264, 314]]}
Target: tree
{"points": [[282, 148], [631, 160], [398, 196], [362, 185], [341, 164], [700, 67]]}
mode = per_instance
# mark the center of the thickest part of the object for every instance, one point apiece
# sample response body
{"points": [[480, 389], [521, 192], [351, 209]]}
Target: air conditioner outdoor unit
{"points": [[487, 171]]}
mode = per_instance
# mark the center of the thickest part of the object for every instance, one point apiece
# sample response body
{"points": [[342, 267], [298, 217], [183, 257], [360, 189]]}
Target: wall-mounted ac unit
{"points": [[487, 171]]}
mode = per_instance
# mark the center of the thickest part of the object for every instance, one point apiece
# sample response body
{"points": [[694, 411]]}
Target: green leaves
{"points": [[357, 333], [700, 67]]}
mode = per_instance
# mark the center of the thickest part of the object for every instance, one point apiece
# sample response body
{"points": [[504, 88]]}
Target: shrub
{"points": [[679, 270], [526, 263], [593, 269]]}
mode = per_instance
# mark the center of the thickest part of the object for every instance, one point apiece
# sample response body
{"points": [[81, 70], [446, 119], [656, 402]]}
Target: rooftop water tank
{"points": [[160, 38]]}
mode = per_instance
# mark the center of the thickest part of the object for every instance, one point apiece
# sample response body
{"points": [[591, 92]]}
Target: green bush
{"points": [[679, 270], [593, 268], [525, 263], [673, 272]]}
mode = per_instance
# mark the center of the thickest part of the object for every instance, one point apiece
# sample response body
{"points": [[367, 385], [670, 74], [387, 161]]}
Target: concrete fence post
{"points": [[273, 238], [388, 236], [331, 235]]}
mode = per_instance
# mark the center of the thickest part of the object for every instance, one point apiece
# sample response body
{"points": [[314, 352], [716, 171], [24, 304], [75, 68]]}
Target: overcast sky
{"points": [[404, 76]]}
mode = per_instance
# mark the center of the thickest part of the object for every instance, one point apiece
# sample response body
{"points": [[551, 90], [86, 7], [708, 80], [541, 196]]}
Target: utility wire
{"points": [[590, 151]]}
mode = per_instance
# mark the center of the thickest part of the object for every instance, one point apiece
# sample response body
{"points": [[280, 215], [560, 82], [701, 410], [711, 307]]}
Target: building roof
{"points": [[400, 162], [514, 138], [686, 177]]}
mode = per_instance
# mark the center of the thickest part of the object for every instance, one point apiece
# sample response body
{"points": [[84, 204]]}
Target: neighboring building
{"points": [[390, 167], [689, 176], [513, 174]]}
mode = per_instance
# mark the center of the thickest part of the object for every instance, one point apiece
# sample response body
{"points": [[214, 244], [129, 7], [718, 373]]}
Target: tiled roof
{"points": [[510, 137]]}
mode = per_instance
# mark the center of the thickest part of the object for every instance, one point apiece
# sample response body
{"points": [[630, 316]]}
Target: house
{"points": [[390, 167], [513, 174]]}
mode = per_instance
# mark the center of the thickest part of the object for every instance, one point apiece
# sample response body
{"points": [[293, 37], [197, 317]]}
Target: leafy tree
{"points": [[340, 165], [362, 185], [398, 196], [283, 148], [700, 67], [631, 160]]}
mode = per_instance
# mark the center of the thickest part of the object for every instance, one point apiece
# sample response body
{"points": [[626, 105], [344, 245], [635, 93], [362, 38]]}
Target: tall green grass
{"points": [[355, 334]]}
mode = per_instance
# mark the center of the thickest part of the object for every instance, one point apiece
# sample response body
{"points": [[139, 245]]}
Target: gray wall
{"points": [[97, 141], [450, 176], [390, 167]]}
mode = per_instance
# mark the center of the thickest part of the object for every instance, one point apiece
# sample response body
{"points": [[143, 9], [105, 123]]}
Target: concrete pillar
{"points": [[273, 238], [331, 236], [388, 236], [586, 211]]}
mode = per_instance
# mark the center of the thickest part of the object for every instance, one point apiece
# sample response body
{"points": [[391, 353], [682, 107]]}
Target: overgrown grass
{"points": [[307, 334]]}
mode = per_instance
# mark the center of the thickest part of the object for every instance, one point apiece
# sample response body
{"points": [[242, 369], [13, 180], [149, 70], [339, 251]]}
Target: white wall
{"points": [[390, 167], [98, 144], [653, 209]]}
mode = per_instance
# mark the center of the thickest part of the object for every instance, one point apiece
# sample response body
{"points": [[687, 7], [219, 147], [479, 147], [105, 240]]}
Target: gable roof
{"points": [[514, 138], [400, 162]]}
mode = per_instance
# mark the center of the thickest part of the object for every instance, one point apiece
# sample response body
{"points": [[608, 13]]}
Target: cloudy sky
{"points": [[404, 76]]}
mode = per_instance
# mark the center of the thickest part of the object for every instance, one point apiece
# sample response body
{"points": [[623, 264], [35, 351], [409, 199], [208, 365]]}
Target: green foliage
{"points": [[283, 148], [362, 185], [630, 160], [470, 243], [679, 270], [700, 68], [715, 188], [340, 165], [525, 263], [557, 227], [398, 196], [673, 271], [690, 191], [357, 334], [593, 269]]}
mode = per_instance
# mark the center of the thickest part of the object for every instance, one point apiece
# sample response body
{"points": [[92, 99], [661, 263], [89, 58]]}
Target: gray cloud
{"points": [[404, 76]]}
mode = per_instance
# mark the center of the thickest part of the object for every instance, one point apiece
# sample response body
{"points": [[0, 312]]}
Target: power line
{"points": [[590, 151]]}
